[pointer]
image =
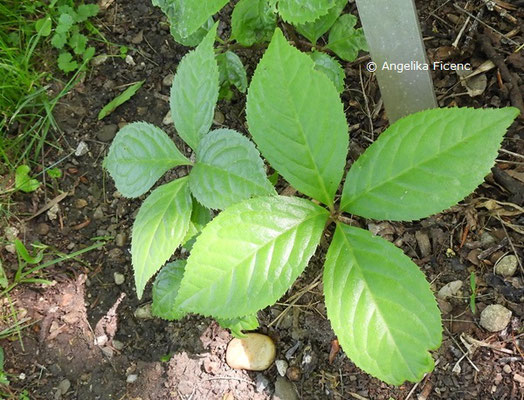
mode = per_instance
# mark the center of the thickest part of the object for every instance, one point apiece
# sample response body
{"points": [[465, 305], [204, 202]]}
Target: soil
{"points": [[146, 358]]}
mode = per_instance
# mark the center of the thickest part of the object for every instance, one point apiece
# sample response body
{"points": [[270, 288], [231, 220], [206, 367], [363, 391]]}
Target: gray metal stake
{"points": [[393, 34]]}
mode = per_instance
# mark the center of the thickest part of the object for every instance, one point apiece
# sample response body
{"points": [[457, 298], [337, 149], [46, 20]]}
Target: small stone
{"points": [[80, 203], [444, 306], [107, 132], [138, 38], [81, 149], [486, 239], [144, 312], [121, 239], [423, 243], [98, 214], [507, 266], [495, 317], [119, 278], [284, 390], [52, 213], [281, 367], [261, 383], [449, 290], [518, 378], [507, 369], [42, 229], [293, 373], [130, 61], [168, 119], [117, 344], [168, 80], [131, 378], [255, 352], [219, 118], [11, 233], [64, 386]]}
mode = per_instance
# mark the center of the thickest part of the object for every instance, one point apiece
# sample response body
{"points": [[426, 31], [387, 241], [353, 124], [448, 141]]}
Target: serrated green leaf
{"points": [[425, 163], [65, 22], [160, 226], [331, 67], [66, 63], [345, 40], [302, 11], [119, 100], [380, 306], [194, 92], [43, 26], [313, 30], [165, 290], [249, 255], [23, 181], [59, 40], [228, 170], [86, 11], [231, 71], [196, 37], [252, 21], [237, 325], [291, 110], [187, 15], [139, 155], [78, 43]]}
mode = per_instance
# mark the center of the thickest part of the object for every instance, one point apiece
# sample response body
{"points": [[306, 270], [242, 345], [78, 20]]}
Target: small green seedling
{"points": [[473, 295], [54, 173], [68, 37], [23, 181], [378, 301]]}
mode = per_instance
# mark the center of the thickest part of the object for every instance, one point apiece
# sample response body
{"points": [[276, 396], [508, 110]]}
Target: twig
{"points": [[514, 90], [486, 25]]}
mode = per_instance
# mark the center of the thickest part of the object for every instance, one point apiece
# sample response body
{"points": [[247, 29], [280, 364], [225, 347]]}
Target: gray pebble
{"points": [[107, 132], [121, 239], [98, 214], [144, 312], [284, 390], [119, 278], [168, 80], [64, 386], [507, 266], [495, 318]]}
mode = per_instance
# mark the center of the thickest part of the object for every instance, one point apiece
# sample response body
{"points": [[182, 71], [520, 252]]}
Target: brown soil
{"points": [[185, 359]]}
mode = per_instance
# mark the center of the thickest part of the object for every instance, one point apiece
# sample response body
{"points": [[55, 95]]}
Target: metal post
{"points": [[393, 34]]}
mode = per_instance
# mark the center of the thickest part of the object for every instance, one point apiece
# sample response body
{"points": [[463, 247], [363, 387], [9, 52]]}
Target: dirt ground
{"points": [[153, 359]]}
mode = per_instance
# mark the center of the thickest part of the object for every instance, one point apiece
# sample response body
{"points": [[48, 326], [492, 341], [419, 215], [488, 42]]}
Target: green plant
{"points": [[68, 38], [379, 303], [253, 22], [473, 295]]}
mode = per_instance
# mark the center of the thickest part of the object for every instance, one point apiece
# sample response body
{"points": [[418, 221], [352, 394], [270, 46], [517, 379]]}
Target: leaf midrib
{"points": [[248, 256], [371, 294], [329, 202], [363, 193]]}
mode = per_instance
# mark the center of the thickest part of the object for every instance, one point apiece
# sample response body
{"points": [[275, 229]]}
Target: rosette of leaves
{"points": [[379, 303]]}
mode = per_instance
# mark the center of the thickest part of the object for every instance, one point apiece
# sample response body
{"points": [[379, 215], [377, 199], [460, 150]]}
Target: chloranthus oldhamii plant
{"points": [[245, 258]]}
